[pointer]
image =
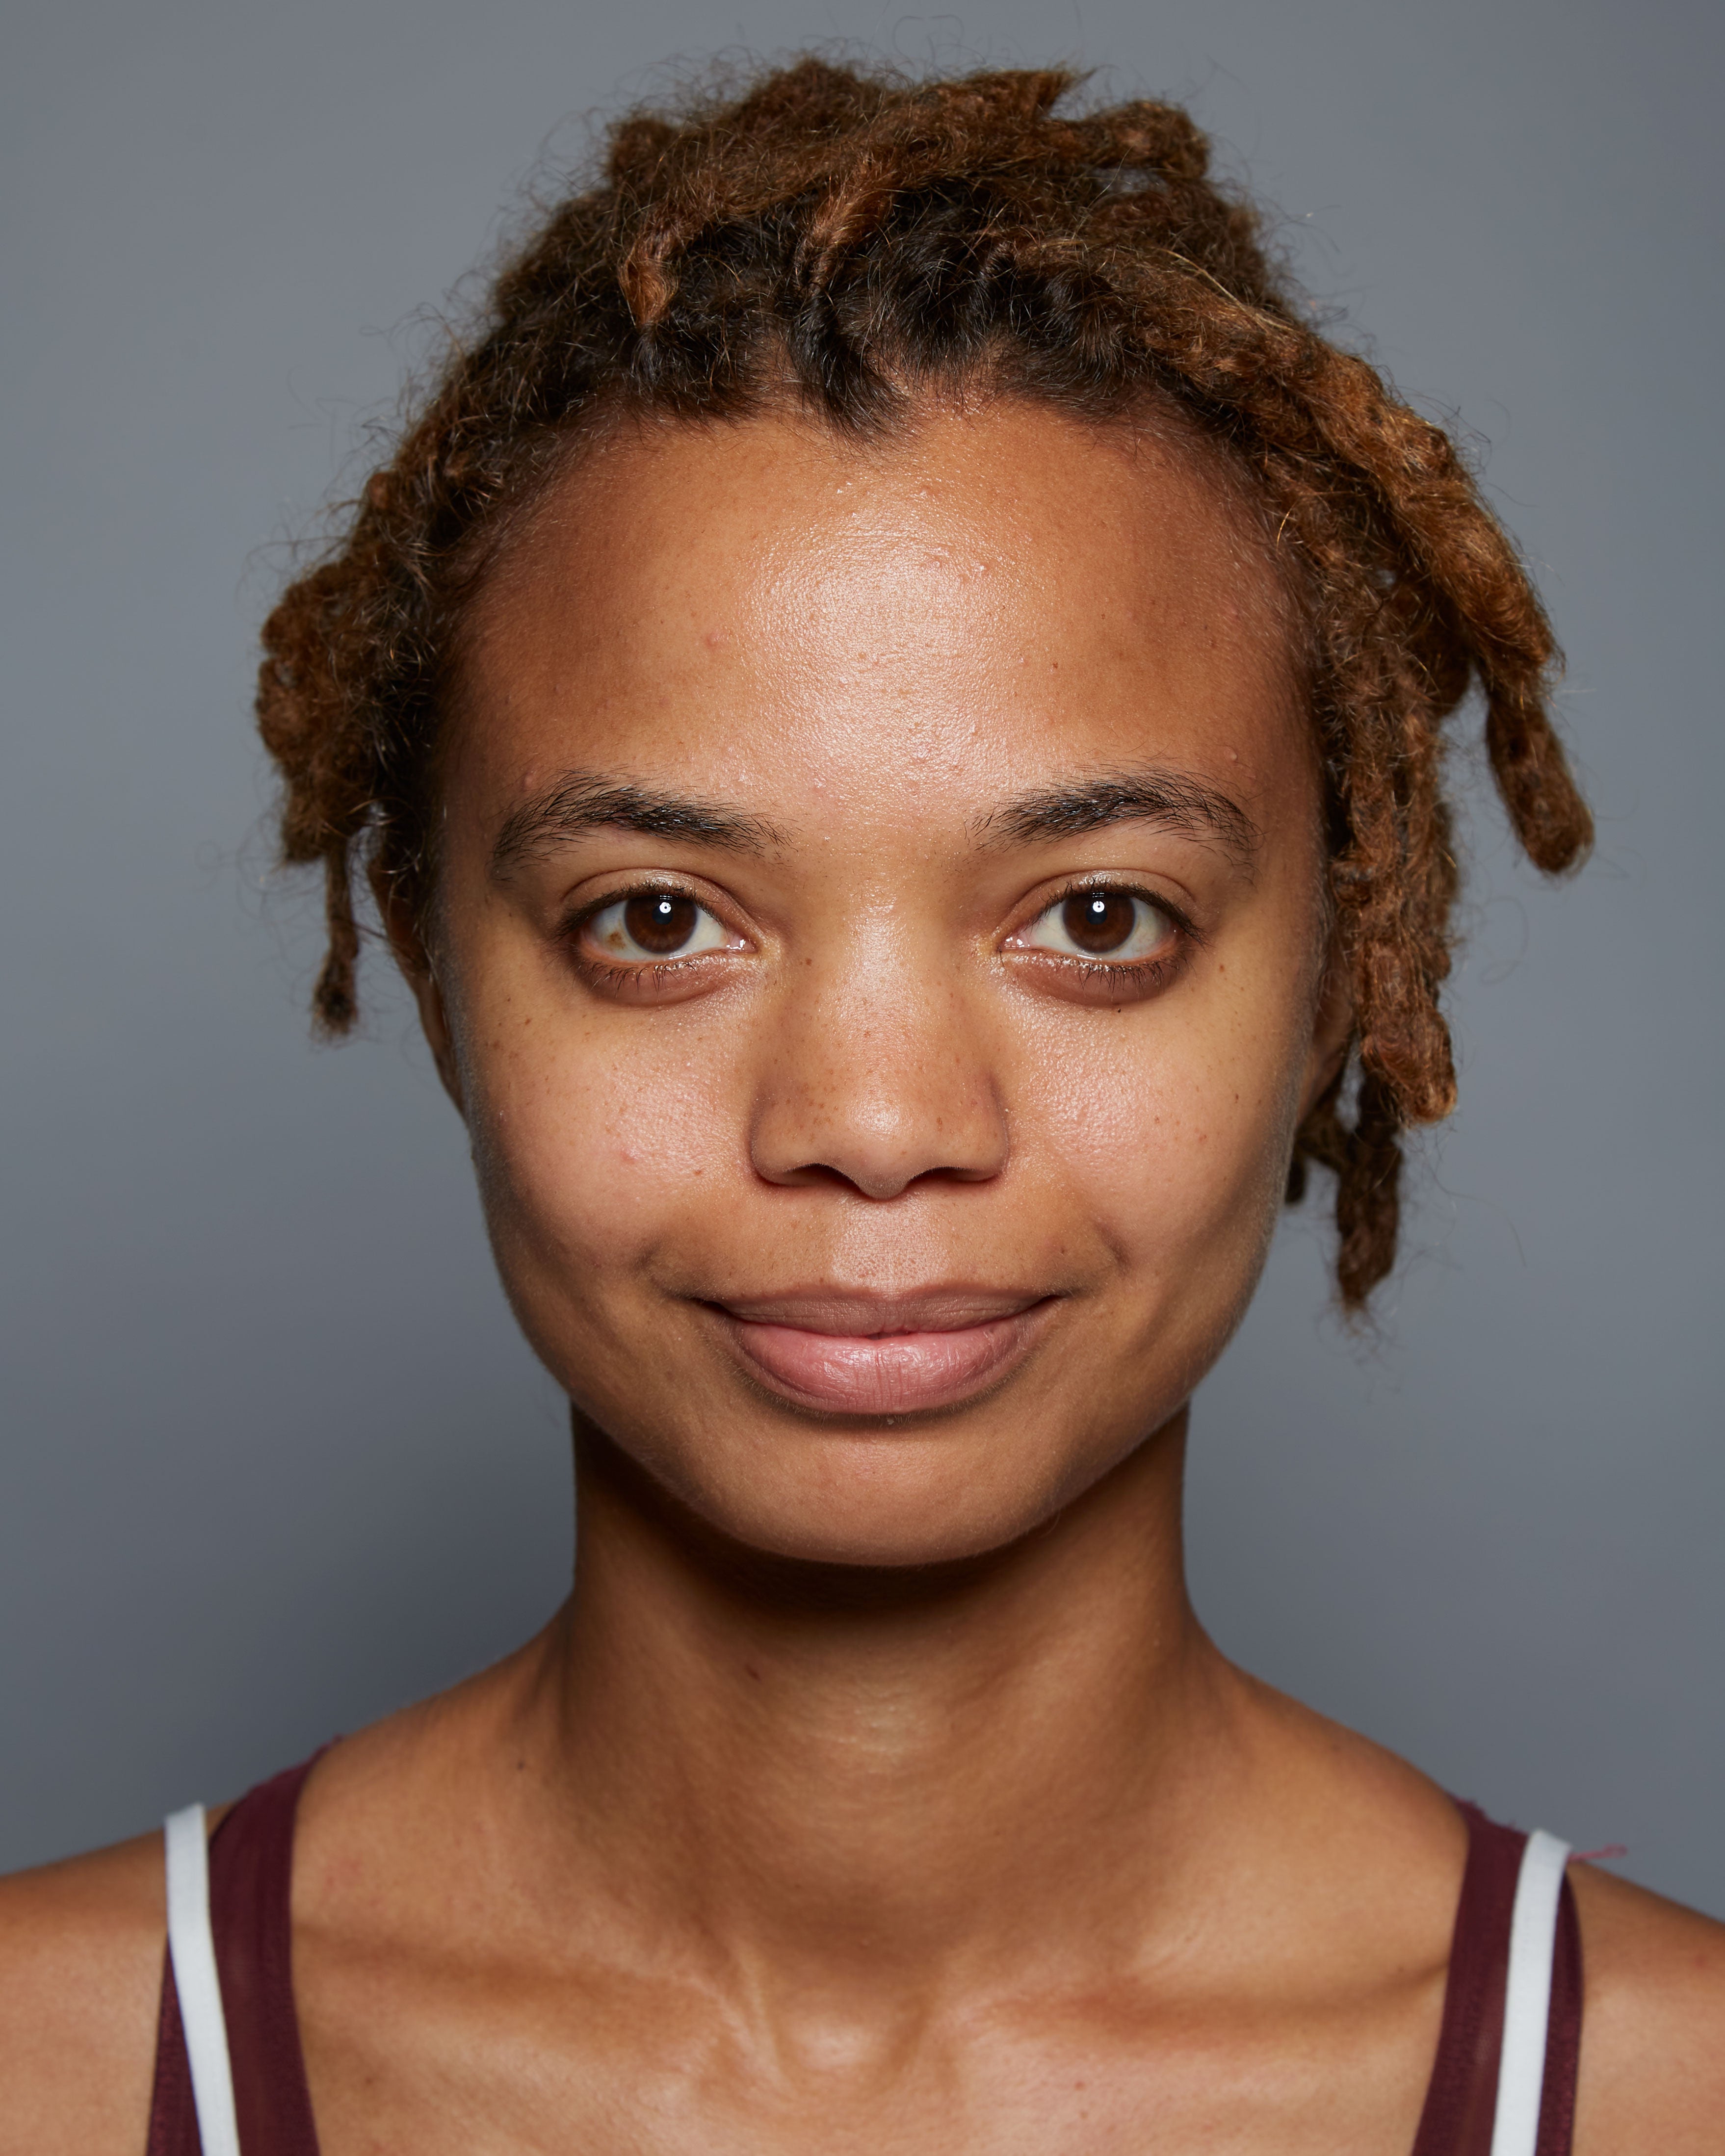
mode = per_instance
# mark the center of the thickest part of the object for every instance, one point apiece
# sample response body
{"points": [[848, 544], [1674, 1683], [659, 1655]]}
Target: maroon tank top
{"points": [[250, 1873]]}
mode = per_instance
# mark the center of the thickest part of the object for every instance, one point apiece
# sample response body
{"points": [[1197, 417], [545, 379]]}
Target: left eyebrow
{"points": [[585, 801], [1173, 798]]}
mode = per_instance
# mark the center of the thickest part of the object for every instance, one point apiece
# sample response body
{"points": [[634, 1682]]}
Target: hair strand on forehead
{"points": [[855, 239]]}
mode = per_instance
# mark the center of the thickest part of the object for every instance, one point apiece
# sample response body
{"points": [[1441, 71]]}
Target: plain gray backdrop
{"points": [[274, 1460]]}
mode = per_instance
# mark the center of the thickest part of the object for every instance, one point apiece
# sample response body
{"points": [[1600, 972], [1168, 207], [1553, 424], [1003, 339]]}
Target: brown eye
{"points": [[1100, 924], [1099, 921], [653, 924], [661, 923]]}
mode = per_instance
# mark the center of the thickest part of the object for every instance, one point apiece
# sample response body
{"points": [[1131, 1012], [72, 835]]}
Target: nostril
{"points": [[879, 1124], [879, 1185], [814, 1172]]}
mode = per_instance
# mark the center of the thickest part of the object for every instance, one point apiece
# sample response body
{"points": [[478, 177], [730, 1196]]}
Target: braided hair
{"points": [[853, 239]]}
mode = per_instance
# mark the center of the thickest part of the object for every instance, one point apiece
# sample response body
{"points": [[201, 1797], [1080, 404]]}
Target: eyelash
{"points": [[1142, 976], [621, 980], [1139, 973], [1144, 973]]}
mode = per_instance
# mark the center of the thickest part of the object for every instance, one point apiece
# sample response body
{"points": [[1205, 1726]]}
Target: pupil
{"points": [[661, 923], [1099, 920]]}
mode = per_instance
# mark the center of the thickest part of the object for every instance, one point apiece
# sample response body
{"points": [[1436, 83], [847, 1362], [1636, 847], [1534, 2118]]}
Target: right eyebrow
{"points": [[1177, 800], [583, 801]]}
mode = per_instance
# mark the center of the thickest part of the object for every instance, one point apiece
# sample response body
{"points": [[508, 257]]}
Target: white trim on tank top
{"points": [[1527, 1998], [1521, 2070], [192, 1947]]}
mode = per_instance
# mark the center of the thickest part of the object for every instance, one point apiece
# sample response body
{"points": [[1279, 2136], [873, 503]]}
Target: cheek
{"points": [[1174, 1137], [592, 1144]]}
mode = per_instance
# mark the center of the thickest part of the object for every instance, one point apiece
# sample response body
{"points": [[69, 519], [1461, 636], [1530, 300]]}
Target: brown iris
{"points": [[1099, 921], [660, 921]]}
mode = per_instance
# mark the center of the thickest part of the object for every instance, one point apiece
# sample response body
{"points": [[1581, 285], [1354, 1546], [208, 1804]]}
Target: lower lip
{"points": [[887, 1373]]}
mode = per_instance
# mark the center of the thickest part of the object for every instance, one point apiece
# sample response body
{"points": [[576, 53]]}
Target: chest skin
{"points": [[610, 2065]]}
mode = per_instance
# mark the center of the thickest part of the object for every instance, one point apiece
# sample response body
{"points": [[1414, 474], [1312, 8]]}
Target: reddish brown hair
{"points": [[851, 239]]}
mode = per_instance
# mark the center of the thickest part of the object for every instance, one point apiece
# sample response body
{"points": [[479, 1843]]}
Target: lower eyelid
{"points": [[1156, 962]]}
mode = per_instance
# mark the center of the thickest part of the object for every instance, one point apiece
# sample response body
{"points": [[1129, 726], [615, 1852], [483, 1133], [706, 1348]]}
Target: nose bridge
{"points": [[877, 1071]]}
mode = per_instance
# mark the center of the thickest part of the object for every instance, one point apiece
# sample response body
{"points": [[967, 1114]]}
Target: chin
{"points": [[888, 1503], [875, 1544]]}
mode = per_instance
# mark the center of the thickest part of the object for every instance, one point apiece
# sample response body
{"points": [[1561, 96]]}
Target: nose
{"points": [[878, 1090]]}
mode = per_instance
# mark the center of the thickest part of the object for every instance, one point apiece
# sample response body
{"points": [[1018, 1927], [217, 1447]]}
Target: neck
{"points": [[934, 1765]]}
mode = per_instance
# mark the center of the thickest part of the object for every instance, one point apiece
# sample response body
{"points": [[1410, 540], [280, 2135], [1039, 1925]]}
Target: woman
{"points": [[892, 705]]}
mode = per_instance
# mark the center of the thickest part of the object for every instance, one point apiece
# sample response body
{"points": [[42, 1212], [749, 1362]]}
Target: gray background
{"points": [[272, 1458]]}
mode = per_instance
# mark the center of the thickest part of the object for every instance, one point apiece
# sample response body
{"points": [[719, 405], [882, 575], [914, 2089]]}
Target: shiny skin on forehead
{"points": [[785, 613]]}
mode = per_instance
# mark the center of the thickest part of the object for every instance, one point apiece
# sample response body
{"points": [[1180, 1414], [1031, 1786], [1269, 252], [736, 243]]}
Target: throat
{"points": [[850, 1769]]}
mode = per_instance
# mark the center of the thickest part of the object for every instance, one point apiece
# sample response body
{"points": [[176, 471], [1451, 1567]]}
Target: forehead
{"points": [[771, 608]]}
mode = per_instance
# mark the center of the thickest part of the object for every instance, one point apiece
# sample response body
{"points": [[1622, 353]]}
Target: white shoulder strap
{"points": [[1526, 2005], [192, 1944]]}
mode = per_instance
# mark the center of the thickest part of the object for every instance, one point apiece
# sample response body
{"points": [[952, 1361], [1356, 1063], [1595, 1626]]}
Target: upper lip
{"points": [[862, 1314]]}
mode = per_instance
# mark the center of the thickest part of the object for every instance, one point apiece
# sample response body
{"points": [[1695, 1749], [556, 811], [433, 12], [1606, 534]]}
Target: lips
{"points": [[882, 1355]]}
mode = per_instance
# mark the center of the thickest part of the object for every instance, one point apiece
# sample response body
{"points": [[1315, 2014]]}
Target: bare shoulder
{"points": [[1653, 2031], [81, 1950]]}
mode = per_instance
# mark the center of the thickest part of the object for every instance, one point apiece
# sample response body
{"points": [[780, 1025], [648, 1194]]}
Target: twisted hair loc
{"points": [[863, 239]]}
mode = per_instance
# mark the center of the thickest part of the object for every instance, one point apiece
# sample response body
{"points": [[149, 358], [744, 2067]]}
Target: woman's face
{"points": [[879, 958]]}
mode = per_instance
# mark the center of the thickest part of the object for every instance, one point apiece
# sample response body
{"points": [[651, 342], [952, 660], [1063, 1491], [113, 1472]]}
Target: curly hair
{"points": [[856, 239]]}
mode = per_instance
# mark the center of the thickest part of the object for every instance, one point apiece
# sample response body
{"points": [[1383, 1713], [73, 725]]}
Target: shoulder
{"points": [[1653, 2029], [81, 1947]]}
